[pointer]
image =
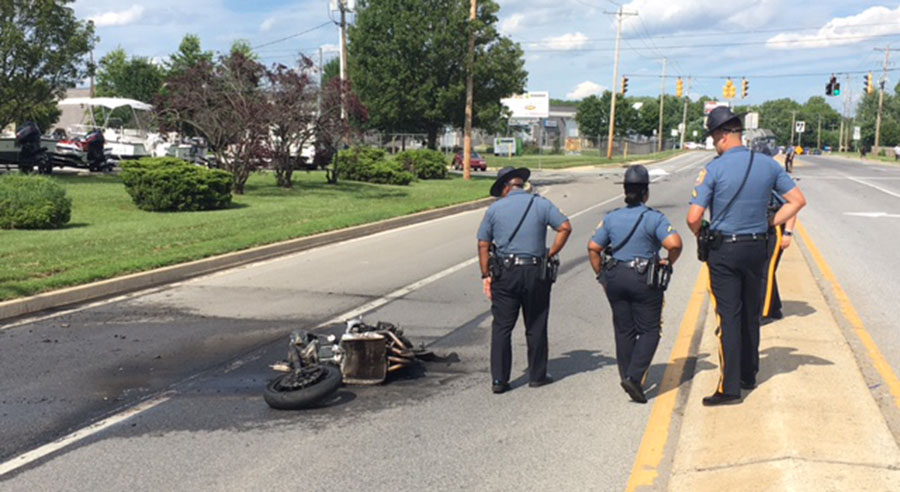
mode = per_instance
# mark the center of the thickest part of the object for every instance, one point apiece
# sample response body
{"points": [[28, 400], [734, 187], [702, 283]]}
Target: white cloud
{"points": [[671, 16], [267, 24], [121, 18], [512, 24], [872, 22], [568, 41], [585, 89]]}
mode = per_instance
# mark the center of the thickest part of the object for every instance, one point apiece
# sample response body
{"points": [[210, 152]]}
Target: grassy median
{"points": [[108, 236], [558, 161]]}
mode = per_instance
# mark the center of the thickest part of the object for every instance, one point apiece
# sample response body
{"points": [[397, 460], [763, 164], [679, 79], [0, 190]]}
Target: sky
{"points": [[785, 48]]}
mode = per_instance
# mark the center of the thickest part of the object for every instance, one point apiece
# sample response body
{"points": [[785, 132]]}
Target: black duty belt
{"points": [[513, 260], [738, 238]]}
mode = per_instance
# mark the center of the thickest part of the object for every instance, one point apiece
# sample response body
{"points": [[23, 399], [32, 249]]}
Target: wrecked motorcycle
{"points": [[364, 354]]}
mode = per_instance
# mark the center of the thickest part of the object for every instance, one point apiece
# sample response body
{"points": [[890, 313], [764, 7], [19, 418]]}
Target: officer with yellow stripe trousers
{"points": [[624, 254], [735, 187], [517, 271], [779, 240]]}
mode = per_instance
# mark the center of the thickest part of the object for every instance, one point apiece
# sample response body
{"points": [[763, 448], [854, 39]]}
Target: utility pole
{"points": [[793, 125], [343, 7], [887, 52], [662, 99], [470, 99], [819, 134], [93, 69], [684, 114], [321, 79], [612, 104]]}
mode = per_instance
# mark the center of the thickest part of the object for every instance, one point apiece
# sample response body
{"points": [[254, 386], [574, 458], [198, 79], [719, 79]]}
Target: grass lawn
{"points": [[890, 159], [587, 158], [108, 236]]}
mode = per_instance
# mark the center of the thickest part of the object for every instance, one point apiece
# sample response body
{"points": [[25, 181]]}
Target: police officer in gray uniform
{"points": [[735, 187], [516, 225], [621, 252]]}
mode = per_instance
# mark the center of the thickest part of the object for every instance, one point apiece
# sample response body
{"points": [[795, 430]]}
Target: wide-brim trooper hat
{"points": [[506, 174], [636, 174], [719, 117]]}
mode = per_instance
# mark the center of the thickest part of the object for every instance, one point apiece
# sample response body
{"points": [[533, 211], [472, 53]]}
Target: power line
{"points": [[702, 34], [292, 36], [721, 45], [766, 76]]}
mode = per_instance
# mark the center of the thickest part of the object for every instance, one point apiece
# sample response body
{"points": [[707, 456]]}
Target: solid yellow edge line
{"points": [[656, 434], [878, 361]]}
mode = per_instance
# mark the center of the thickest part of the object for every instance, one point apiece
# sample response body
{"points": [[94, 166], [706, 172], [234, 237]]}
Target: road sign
{"points": [[856, 135], [711, 105], [528, 105], [800, 127], [674, 132], [751, 121]]}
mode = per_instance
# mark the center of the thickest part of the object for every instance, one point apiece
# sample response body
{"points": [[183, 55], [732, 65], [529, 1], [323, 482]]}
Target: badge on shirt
{"points": [[700, 177]]}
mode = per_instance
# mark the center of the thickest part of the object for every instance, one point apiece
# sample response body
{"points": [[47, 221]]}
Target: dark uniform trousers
{"points": [[770, 296], [637, 317], [519, 287], [735, 274]]}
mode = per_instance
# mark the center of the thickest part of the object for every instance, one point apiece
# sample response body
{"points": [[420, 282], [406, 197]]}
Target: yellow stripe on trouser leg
{"points": [[712, 299], [770, 279]]}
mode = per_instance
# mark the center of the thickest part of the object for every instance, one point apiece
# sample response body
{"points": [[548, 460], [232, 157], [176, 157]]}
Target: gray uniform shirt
{"points": [[653, 229], [501, 219], [721, 180]]}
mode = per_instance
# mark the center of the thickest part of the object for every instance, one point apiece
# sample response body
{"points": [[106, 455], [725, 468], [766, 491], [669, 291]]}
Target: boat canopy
{"points": [[106, 102]]}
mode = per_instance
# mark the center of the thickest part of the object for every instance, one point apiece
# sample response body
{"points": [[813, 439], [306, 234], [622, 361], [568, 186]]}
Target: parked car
{"points": [[477, 162]]}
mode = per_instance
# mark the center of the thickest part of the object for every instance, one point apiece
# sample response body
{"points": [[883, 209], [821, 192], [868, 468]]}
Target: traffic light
{"points": [[745, 88], [679, 87], [868, 83], [729, 90], [624, 85], [833, 88]]}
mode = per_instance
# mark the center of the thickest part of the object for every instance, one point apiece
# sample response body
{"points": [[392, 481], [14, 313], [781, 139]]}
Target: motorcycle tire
{"points": [[277, 398]]}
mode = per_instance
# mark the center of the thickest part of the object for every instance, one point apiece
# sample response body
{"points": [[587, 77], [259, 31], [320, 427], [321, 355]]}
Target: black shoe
{"points": [[748, 384], [634, 390], [499, 387], [721, 399], [547, 379]]}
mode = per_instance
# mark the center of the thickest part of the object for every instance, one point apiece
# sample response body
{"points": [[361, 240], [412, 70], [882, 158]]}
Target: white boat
{"points": [[121, 143]]}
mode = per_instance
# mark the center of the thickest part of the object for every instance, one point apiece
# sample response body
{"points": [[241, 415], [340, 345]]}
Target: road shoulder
{"points": [[811, 421]]}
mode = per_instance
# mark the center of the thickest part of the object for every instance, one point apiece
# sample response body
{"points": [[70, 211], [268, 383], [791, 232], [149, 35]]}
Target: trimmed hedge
{"points": [[167, 184], [424, 163], [32, 202], [371, 165]]}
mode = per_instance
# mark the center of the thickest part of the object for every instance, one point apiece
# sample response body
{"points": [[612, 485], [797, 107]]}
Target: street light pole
{"points": [[662, 100], [887, 52]]}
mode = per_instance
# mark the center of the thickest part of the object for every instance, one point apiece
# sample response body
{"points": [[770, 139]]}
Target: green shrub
{"points": [[424, 163], [32, 202], [371, 165], [166, 184]]}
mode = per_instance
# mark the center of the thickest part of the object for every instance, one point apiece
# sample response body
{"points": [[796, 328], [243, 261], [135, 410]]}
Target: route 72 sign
{"points": [[800, 126]]}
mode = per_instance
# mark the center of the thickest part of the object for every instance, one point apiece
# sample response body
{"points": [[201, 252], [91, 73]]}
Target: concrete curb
{"points": [[174, 273]]}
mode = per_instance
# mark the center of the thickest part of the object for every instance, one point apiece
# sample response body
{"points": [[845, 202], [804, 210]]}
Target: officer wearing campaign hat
{"points": [[624, 253], [515, 271], [735, 188]]}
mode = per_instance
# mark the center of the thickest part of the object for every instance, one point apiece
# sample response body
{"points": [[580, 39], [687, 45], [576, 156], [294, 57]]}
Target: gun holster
{"points": [[707, 240], [549, 267], [659, 275], [495, 262]]}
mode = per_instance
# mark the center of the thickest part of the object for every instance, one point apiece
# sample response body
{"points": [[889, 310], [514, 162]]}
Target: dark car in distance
{"points": [[477, 162]]}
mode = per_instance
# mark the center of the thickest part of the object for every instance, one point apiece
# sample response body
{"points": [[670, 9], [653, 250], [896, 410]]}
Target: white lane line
{"points": [[873, 215], [889, 192], [80, 434]]}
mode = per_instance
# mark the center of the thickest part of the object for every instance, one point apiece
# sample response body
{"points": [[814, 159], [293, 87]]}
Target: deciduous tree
{"points": [[43, 51]]}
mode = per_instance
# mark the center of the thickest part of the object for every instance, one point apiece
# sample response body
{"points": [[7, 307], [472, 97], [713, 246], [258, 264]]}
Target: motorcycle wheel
{"points": [[282, 398]]}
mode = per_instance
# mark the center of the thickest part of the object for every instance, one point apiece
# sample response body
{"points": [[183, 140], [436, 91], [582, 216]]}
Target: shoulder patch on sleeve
{"points": [[700, 177]]}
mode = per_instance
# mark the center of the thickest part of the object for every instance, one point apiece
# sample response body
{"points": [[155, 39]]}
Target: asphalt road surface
{"points": [[854, 219], [198, 353]]}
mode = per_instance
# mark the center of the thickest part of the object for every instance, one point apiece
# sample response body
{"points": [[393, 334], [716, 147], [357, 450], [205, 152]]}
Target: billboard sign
{"points": [[529, 105]]}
